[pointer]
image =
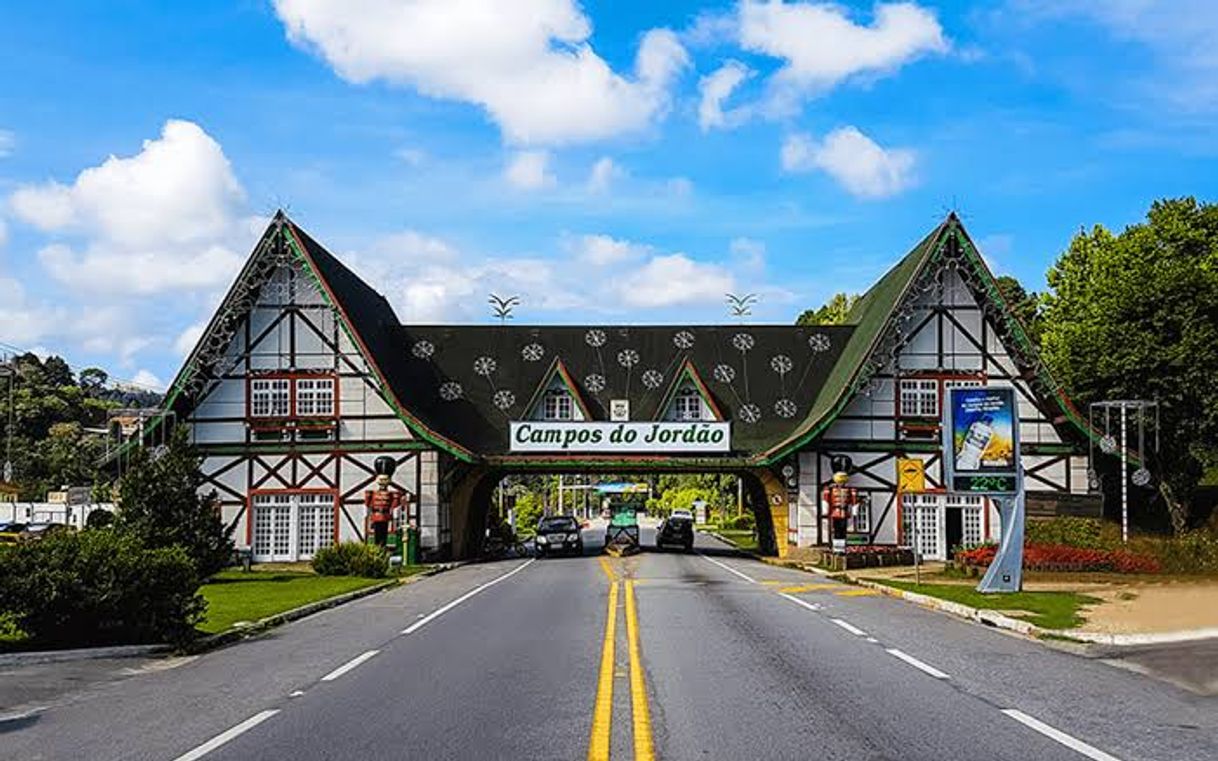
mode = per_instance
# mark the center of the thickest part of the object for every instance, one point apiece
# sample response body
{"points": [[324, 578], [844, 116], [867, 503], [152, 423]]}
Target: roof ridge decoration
{"points": [[559, 368], [688, 371], [879, 333]]}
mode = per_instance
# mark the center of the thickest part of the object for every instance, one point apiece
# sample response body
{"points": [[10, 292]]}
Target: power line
{"points": [[112, 379]]}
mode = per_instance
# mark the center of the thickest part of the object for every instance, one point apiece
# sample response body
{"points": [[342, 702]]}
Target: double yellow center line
{"points": [[602, 716]]}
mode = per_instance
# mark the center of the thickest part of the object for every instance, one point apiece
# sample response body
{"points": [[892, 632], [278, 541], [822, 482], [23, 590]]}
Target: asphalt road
{"points": [[712, 656]]}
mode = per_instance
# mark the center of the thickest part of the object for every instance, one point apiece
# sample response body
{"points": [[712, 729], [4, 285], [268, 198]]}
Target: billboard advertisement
{"points": [[981, 440]]}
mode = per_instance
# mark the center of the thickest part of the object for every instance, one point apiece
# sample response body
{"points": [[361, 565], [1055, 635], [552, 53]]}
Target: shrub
{"points": [[1191, 552], [352, 559], [1068, 532], [99, 587], [742, 522]]}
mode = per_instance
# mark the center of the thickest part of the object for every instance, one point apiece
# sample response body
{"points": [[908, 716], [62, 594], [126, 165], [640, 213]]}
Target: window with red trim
{"points": [[286, 397]]}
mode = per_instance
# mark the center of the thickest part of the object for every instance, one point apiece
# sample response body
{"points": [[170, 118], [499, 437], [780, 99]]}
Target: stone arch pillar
{"points": [[769, 500]]}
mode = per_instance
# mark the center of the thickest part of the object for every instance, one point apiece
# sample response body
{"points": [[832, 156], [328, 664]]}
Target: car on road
{"points": [[676, 530], [10, 533], [558, 534]]}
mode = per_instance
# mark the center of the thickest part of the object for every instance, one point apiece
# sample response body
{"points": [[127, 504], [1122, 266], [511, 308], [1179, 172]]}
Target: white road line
{"points": [[729, 569], [357, 660], [849, 627], [228, 735], [425, 620], [873, 640], [1056, 734], [912, 661], [815, 608]]}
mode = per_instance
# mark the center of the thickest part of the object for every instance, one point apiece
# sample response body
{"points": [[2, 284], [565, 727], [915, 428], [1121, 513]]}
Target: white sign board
{"points": [[610, 437], [619, 410]]}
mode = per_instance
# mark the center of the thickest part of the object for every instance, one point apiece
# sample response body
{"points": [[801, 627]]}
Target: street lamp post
{"points": [[1109, 445]]}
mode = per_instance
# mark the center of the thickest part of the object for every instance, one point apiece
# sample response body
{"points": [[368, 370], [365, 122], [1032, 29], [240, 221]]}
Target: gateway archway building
{"points": [[305, 375]]}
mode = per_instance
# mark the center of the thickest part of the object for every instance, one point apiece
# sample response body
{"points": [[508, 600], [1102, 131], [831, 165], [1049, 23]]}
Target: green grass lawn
{"points": [[1048, 610], [743, 538], [234, 595]]}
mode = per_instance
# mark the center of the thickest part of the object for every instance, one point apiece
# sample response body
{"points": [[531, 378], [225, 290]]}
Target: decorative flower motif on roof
{"points": [[683, 340], [743, 341], [451, 391], [627, 357], [781, 364], [533, 352], [423, 349], [749, 413], [595, 383], [595, 338], [503, 398], [819, 342], [653, 378], [785, 408], [725, 373], [484, 365]]}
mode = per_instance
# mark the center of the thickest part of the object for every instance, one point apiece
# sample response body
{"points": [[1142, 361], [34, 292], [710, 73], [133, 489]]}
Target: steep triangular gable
{"points": [[559, 370], [687, 373], [363, 314], [877, 333]]}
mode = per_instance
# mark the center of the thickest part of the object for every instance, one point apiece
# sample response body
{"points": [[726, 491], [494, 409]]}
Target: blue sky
{"points": [[612, 161]]}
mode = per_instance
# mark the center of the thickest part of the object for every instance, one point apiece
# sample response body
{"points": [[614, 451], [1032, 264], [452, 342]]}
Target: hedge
{"points": [[99, 587], [352, 559]]}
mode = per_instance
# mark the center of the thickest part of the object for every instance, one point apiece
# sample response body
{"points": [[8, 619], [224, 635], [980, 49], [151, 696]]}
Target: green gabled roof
{"points": [[557, 368], [870, 316]]}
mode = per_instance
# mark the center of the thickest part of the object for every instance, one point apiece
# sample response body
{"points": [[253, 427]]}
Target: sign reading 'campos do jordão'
{"points": [[610, 437]]}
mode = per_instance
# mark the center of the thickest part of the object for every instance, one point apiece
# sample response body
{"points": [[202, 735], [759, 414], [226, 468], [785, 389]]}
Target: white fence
{"points": [[49, 512]]}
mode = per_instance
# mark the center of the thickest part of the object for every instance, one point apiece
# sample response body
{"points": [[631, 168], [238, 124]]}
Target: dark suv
{"points": [[558, 534], [676, 530]]}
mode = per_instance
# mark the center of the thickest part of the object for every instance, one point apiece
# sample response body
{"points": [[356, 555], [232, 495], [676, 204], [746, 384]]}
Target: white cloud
{"points": [[680, 187], [146, 379], [749, 253], [529, 170], [854, 160], [674, 280], [163, 219], [603, 173], [604, 250], [717, 87], [822, 46], [1182, 37], [528, 63], [3, 233], [414, 245], [7, 142], [187, 340], [412, 156]]}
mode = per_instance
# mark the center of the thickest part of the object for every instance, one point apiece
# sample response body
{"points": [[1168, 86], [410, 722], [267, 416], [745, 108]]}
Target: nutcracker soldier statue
{"points": [[384, 502], [840, 502]]}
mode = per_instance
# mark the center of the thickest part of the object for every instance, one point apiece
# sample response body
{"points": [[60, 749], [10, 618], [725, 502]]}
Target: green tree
{"points": [[1026, 305], [161, 500], [529, 509], [833, 312], [1135, 316]]}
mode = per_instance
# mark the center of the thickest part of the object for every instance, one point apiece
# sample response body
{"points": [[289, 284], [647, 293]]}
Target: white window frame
{"points": [[860, 516], [687, 405], [315, 397], [291, 526], [919, 398], [927, 509], [270, 397], [557, 404]]}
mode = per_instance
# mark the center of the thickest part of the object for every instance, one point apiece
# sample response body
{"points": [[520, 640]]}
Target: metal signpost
{"points": [[1109, 445], [981, 457]]}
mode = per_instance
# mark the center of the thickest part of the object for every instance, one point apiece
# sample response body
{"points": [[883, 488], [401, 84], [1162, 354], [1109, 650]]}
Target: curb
{"points": [[81, 654], [988, 617], [220, 639], [1135, 640]]}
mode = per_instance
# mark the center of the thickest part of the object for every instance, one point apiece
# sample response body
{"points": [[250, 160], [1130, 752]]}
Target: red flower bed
{"points": [[1052, 557]]}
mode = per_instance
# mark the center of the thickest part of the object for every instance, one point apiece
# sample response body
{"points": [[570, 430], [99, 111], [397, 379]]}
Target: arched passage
{"points": [[471, 502]]}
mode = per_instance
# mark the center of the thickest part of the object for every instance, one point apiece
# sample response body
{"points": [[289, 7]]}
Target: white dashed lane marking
{"points": [[227, 736], [356, 661], [912, 661], [1057, 735]]}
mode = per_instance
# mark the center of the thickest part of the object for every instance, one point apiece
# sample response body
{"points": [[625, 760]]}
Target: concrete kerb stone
{"points": [[235, 634], [220, 639]]}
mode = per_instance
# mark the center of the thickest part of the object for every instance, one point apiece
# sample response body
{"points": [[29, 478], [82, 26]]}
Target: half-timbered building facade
{"points": [[305, 375]]}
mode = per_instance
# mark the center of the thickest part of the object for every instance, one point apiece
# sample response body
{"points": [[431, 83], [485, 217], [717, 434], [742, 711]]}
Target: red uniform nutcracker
{"points": [[840, 502], [384, 501]]}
